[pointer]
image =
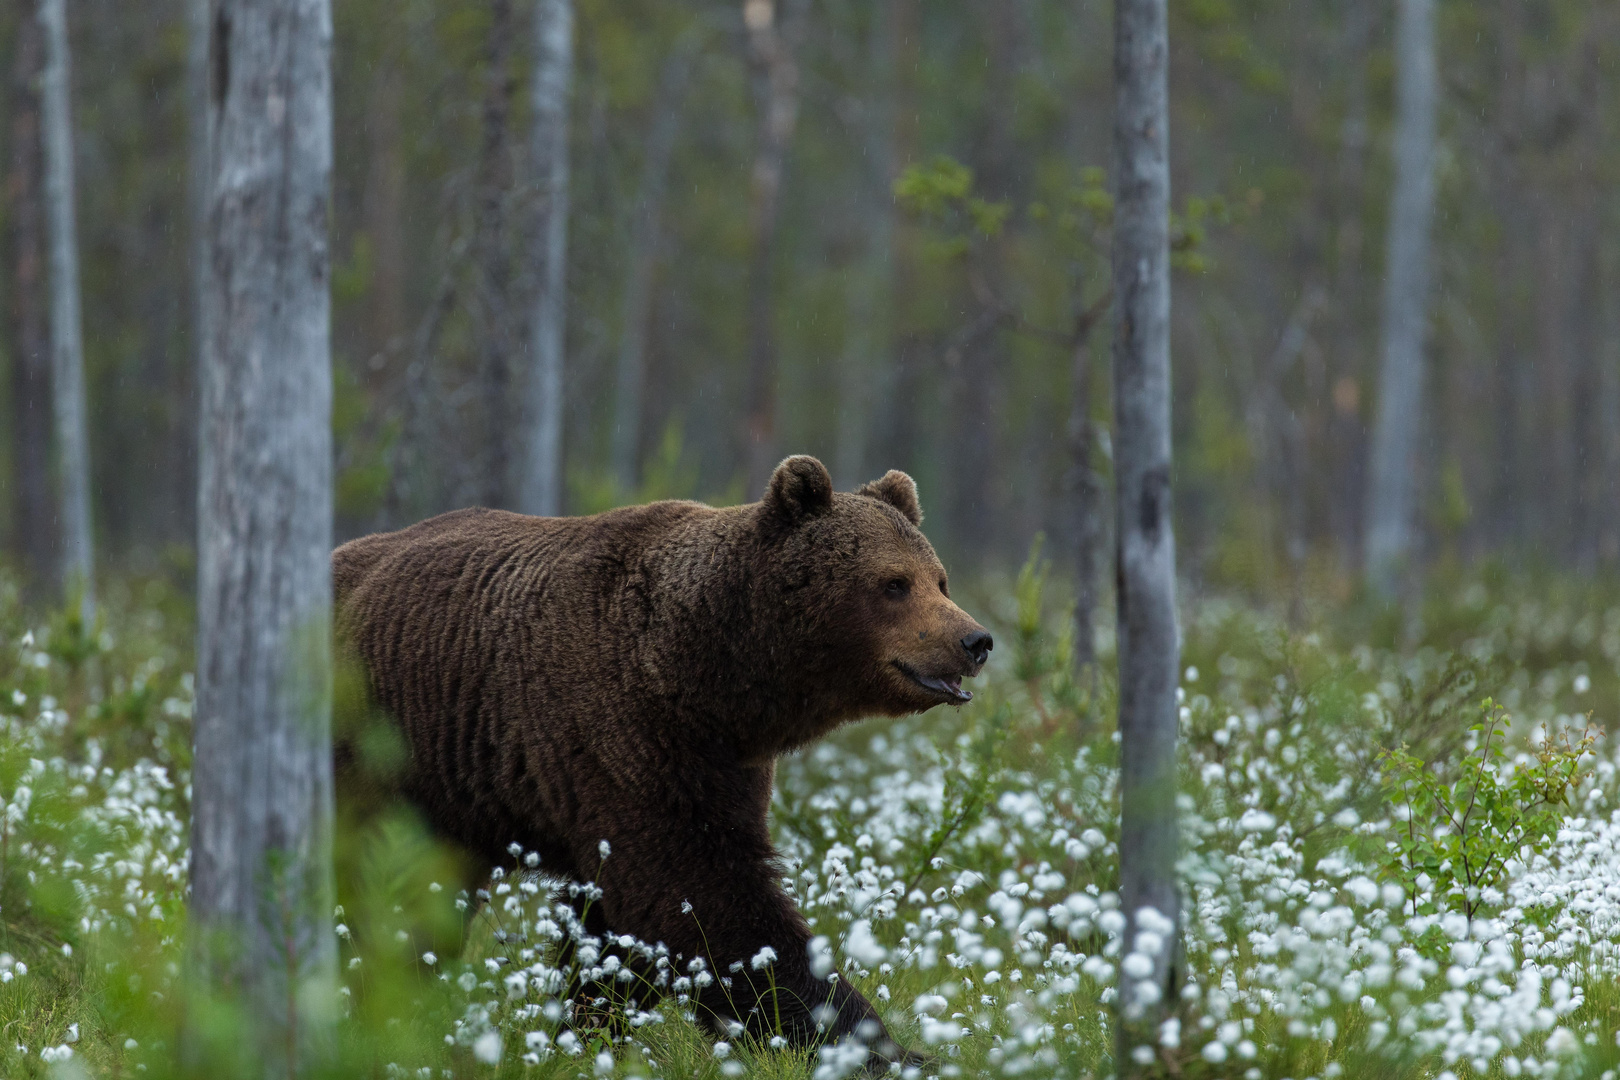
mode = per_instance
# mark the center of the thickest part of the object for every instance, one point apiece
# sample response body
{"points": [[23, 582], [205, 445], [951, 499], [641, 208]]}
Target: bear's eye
{"points": [[897, 588], [943, 588]]}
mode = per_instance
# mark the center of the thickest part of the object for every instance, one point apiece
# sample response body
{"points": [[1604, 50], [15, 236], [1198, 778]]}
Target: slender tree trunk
{"points": [[1149, 648], [553, 79], [867, 369], [262, 803], [646, 235], [1345, 430], [33, 516], [898, 386], [384, 209], [493, 260], [1085, 495], [1390, 493], [772, 42], [1511, 367], [199, 154], [67, 343]]}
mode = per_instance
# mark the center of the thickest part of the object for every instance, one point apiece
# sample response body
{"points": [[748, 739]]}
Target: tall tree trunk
{"points": [[1149, 652], [1512, 374], [1346, 434], [866, 369], [262, 804], [898, 386], [33, 517], [493, 260], [646, 235], [553, 80], [67, 343], [199, 154], [1085, 498], [771, 44], [384, 207], [1390, 494]]}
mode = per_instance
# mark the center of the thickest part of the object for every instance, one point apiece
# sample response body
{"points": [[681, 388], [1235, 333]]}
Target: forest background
{"points": [[886, 332]]}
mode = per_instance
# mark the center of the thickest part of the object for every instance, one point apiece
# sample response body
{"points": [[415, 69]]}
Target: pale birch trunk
{"points": [[1149, 646], [262, 803], [67, 342], [541, 489], [1390, 492]]}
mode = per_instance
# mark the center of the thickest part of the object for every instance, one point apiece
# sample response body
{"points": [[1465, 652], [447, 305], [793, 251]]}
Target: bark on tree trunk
{"points": [[646, 235], [199, 144], [898, 385], [1345, 430], [866, 370], [1084, 495], [67, 343], [262, 805], [33, 517], [541, 489], [496, 336], [1390, 492], [1511, 370], [384, 209], [772, 40], [1149, 647]]}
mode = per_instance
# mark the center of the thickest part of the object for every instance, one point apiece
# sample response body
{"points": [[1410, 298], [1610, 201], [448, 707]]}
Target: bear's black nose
{"points": [[978, 644]]}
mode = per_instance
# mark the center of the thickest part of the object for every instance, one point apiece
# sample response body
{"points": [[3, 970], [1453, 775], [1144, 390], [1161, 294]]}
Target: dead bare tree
{"points": [[1391, 487], [67, 340], [262, 802], [541, 488], [1149, 645]]}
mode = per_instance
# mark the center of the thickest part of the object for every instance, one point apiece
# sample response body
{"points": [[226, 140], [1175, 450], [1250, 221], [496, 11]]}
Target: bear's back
{"points": [[500, 641]]}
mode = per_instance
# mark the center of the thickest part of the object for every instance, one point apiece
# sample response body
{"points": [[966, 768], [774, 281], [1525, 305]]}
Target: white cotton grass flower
{"points": [[862, 946], [604, 849], [821, 956], [487, 1048], [763, 959], [430, 958]]}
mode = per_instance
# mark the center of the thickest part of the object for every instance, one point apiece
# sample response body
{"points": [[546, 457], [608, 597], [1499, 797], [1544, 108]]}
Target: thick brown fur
{"points": [[632, 677]]}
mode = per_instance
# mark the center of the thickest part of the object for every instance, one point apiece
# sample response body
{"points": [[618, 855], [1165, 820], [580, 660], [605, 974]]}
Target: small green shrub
{"points": [[1460, 838]]}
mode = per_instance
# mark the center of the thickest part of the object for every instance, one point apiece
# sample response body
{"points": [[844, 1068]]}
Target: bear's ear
{"points": [[899, 491], [800, 487]]}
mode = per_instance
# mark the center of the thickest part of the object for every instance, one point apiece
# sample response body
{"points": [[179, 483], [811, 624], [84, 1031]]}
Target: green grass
{"points": [[895, 832]]}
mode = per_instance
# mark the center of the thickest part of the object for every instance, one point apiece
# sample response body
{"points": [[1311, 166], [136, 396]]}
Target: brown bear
{"points": [[632, 677]]}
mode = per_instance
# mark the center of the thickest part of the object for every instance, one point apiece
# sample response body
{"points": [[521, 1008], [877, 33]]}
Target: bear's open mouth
{"points": [[948, 688]]}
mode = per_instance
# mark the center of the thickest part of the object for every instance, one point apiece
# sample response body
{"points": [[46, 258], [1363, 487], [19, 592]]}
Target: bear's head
{"points": [[860, 585]]}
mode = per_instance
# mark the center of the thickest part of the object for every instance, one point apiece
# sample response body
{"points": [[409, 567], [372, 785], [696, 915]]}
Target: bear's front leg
{"points": [[708, 885]]}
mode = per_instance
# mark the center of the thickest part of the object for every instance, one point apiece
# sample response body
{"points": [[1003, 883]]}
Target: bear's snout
{"points": [[978, 645]]}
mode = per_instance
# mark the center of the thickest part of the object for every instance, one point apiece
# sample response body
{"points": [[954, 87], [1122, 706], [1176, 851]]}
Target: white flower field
{"points": [[957, 866]]}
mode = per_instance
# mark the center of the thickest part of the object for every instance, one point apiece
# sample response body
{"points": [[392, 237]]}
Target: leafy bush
{"points": [[1457, 842]]}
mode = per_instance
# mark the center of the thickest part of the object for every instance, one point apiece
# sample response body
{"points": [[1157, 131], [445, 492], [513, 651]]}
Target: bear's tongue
{"points": [[951, 686]]}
